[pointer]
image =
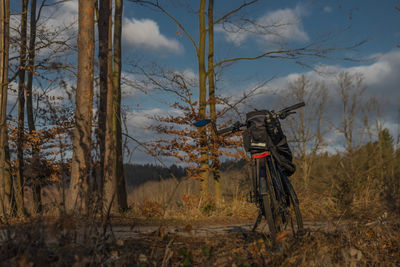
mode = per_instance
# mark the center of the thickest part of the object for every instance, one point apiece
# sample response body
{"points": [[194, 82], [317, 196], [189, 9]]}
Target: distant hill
{"points": [[233, 164], [137, 174]]}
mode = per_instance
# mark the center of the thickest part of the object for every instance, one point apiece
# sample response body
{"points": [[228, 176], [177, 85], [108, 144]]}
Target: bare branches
{"points": [[224, 17], [308, 51]]}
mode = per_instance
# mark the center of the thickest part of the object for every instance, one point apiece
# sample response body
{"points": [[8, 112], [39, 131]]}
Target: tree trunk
{"points": [[36, 185], [79, 193], [7, 204], [114, 180], [105, 47], [212, 102], [21, 112], [204, 167], [117, 121], [109, 175]]}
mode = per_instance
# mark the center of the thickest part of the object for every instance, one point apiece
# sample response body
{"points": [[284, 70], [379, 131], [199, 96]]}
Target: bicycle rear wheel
{"points": [[296, 219], [268, 198]]}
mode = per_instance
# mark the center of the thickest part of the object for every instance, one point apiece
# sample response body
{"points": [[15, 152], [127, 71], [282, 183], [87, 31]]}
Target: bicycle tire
{"points": [[299, 219], [274, 186], [295, 207], [268, 209], [286, 200]]}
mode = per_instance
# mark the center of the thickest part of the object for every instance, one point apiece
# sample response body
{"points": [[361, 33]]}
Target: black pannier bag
{"points": [[264, 132]]}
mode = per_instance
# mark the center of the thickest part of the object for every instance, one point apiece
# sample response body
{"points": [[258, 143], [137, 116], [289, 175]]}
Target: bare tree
{"points": [[82, 135], [307, 130], [350, 89]]}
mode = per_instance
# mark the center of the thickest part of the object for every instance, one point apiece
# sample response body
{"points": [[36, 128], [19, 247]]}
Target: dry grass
{"points": [[353, 240], [173, 199], [182, 199]]}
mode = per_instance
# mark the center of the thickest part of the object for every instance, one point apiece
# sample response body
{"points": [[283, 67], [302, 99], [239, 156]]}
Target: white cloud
{"points": [[381, 75], [139, 121], [190, 75], [145, 34], [61, 15], [287, 26], [281, 25], [12, 95]]}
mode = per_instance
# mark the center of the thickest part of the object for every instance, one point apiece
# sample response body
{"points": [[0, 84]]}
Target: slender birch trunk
{"points": [[204, 168], [212, 103]]}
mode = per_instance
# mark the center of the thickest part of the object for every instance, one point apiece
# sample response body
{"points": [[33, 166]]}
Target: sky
{"points": [[150, 37]]}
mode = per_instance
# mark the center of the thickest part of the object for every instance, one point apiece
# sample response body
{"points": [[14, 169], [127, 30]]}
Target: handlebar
{"points": [[293, 107], [234, 128], [282, 114]]}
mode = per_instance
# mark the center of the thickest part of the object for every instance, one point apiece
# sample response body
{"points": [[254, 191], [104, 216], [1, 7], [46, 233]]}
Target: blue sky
{"points": [[150, 36], [345, 22]]}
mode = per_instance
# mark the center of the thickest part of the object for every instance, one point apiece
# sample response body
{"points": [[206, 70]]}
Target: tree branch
{"points": [[234, 11], [296, 53]]}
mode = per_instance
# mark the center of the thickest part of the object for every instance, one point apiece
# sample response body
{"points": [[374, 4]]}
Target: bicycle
{"points": [[272, 191]]}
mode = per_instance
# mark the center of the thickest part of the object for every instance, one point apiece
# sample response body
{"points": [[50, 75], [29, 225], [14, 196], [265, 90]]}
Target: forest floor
{"points": [[205, 242]]}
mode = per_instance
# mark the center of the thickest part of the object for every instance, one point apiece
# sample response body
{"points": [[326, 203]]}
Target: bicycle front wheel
{"points": [[269, 209]]}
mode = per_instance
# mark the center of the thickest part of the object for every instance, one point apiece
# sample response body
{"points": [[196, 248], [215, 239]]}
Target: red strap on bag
{"points": [[257, 156]]}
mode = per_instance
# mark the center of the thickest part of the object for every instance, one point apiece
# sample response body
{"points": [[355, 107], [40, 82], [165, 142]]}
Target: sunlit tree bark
{"points": [[81, 159], [6, 183], [109, 170]]}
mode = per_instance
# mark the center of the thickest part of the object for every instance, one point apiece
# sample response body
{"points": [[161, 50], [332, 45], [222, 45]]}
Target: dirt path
{"points": [[126, 232]]}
